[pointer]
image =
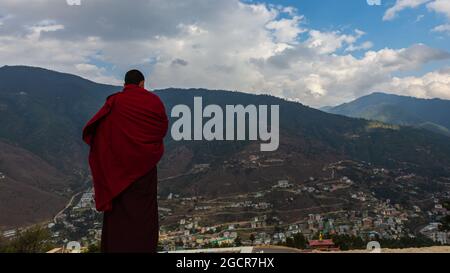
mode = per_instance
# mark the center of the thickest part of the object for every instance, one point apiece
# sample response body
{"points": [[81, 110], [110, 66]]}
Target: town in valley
{"points": [[353, 198]]}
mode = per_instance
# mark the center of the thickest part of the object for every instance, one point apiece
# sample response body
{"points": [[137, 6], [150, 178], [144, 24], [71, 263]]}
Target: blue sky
{"points": [[409, 27], [413, 26], [317, 52]]}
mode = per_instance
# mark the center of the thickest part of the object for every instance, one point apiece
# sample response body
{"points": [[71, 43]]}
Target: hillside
{"points": [[30, 189], [41, 153], [430, 114], [44, 112], [309, 140]]}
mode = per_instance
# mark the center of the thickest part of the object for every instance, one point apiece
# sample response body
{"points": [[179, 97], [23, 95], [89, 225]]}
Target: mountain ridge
{"points": [[400, 110]]}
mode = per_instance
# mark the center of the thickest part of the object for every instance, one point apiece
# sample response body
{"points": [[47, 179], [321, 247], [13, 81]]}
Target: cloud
{"points": [[400, 5], [440, 6], [419, 18], [43, 26], [331, 79], [286, 30], [329, 42], [364, 46], [34, 47], [231, 45], [431, 85], [179, 62], [95, 73], [442, 28]]}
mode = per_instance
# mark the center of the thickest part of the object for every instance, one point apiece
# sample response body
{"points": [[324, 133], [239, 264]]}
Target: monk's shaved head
{"points": [[134, 77]]}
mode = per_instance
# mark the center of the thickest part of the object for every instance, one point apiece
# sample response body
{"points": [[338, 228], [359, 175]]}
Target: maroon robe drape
{"points": [[126, 143], [132, 225]]}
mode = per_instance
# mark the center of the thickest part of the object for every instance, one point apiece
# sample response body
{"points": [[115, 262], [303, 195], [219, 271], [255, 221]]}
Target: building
{"points": [[440, 237], [432, 232], [322, 245], [283, 184], [10, 233], [222, 241], [367, 222]]}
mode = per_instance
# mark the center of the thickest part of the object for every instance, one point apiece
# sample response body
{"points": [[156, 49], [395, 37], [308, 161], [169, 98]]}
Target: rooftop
{"points": [[315, 243]]}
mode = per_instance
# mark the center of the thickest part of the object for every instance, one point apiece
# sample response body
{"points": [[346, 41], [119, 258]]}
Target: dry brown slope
{"points": [[31, 191]]}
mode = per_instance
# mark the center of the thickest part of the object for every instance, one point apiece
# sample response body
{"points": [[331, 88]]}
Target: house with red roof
{"points": [[322, 245]]}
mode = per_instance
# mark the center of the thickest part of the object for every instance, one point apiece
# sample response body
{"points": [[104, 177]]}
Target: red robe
{"points": [[126, 140]]}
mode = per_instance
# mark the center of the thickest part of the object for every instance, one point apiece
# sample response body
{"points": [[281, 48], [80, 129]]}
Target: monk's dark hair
{"points": [[134, 77]]}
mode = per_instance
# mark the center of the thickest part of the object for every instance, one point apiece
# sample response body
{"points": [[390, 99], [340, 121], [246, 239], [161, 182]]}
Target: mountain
{"points": [[430, 114], [30, 189], [309, 140], [41, 154], [42, 113]]}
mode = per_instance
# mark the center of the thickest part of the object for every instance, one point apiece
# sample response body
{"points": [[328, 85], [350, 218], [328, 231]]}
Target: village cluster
{"points": [[254, 219]]}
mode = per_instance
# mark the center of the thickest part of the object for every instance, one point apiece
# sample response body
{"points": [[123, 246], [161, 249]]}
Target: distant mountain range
{"points": [[42, 113], [430, 114]]}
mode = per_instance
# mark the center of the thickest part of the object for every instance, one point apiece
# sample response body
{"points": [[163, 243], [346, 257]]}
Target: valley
{"points": [[330, 172]]}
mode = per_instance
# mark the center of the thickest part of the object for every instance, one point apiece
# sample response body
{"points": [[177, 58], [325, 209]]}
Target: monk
{"points": [[126, 143]]}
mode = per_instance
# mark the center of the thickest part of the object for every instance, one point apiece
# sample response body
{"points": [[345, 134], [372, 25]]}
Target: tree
{"points": [[445, 221], [2, 244], [94, 248], [33, 240], [445, 224], [278, 229], [300, 241], [407, 242], [252, 238], [297, 241], [238, 241], [446, 204], [348, 242]]}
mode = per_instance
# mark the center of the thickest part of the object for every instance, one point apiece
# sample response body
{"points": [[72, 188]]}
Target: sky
{"points": [[317, 52]]}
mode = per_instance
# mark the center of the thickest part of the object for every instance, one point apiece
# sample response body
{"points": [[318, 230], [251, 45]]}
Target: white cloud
{"points": [[419, 18], [329, 42], [400, 5], [205, 43], [43, 26], [364, 46], [286, 30], [33, 48], [440, 6], [442, 28], [431, 85], [95, 73], [331, 79]]}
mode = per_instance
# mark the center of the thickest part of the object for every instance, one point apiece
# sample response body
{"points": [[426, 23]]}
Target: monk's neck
{"points": [[133, 87]]}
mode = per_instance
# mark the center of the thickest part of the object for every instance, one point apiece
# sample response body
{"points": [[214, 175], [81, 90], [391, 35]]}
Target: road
{"points": [[67, 206]]}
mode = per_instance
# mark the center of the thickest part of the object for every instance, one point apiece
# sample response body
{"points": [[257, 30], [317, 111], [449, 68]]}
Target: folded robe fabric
{"points": [[132, 226], [126, 141]]}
